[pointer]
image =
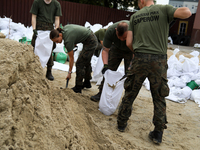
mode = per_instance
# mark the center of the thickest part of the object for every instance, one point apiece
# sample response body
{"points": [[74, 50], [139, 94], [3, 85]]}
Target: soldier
{"points": [[100, 36], [73, 34], [114, 51], [147, 36], [44, 14]]}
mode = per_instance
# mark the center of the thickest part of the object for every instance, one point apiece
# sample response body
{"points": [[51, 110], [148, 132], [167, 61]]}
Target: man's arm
{"points": [[182, 13], [105, 55], [129, 40], [101, 42], [57, 22], [33, 21], [71, 63]]}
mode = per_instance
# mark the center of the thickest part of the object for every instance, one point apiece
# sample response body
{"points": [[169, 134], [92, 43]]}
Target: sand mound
{"points": [[36, 115], [2, 35]]}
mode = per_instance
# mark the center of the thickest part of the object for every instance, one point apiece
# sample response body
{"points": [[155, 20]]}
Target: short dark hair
{"points": [[122, 27], [55, 33]]}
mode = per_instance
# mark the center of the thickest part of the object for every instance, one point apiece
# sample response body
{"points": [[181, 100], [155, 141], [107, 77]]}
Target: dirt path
{"points": [[183, 128]]}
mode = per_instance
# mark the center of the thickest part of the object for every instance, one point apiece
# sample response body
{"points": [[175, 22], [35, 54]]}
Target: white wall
{"points": [[163, 2]]}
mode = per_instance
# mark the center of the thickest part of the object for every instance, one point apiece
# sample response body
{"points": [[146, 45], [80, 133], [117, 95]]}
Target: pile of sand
{"points": [[35, 115]]}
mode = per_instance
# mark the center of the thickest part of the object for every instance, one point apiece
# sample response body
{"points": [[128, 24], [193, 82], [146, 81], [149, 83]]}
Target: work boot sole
{"points": [[151, 136], [50, 78], [95, 100], [75, 90], [88, 87], [122, 128]]}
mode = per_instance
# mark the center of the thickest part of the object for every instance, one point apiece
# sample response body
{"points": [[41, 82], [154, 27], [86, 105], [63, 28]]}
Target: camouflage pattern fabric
{"points": [[45, 27], [114, 59], [154, 67], [83, 65], [98, 49]]}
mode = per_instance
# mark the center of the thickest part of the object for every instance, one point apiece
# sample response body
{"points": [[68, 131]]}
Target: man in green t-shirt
{"points": [[148, 37], [114, 50], [44, 14], [73, 34], [100, 36]]}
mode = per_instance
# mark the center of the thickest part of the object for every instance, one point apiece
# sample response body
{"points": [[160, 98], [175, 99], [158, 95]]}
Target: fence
{"points": [[74, 13]]}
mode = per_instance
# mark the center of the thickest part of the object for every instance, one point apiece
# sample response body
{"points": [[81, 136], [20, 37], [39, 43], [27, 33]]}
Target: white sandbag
{"points": [[190, 65], [170, 39], [59, 48], [173, 96], [99, 66], [77, 52], [146, 83], [174, 66], [43, 47], [184, 93], [62, 67], [195, 96], [112, 92], [95, 27]]}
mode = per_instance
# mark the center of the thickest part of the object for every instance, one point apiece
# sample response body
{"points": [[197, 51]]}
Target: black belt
{"points": [[151, 56], [44, 23]]}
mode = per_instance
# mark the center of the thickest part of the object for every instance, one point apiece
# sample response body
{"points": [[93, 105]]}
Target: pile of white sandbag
{"points": [[180, 73]]}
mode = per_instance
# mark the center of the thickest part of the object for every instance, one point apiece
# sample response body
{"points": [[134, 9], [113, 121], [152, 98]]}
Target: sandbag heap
{"points": [[35, 115]]}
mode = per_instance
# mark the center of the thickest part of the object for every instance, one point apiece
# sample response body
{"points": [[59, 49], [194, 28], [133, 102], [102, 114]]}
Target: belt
{"points": [[150, 56], [44, 23]]}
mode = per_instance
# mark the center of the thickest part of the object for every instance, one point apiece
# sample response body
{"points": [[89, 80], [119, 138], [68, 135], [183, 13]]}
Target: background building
{"points": [[191, 4], [186, 31], [163, 2]]}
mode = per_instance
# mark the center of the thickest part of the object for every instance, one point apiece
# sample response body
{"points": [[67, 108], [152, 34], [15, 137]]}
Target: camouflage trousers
{"points": [[154, 67], [98, 49], [83, 65], [115, 57], [44, 27]]}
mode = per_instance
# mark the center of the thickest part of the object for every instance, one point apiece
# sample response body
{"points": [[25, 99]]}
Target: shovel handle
{"points": [[67, 82]]}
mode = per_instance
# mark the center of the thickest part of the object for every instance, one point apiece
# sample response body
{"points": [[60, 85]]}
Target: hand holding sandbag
{"points": [[104, 68], [35, 32]]}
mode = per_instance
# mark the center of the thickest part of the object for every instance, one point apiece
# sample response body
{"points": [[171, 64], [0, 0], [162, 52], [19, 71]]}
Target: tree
{"points": [[116, 4]]}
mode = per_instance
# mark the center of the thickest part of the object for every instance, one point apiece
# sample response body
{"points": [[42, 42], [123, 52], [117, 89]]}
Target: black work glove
{"points": [[35, 32], [104, 68]]}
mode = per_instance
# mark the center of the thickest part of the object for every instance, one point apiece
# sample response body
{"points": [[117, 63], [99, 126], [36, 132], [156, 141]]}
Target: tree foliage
{"points": [[117, 4]]}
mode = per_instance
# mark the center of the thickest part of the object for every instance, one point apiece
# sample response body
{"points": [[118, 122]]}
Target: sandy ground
{"points": [[184, 120], [37, 114]]}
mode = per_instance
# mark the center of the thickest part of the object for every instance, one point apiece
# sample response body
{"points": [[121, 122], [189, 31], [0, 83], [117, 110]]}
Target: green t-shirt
{"points": [[46, 12], [74, 34], [100, 34], [111, 38], [150, 27]]}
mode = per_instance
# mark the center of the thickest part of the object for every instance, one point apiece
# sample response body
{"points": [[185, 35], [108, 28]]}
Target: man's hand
{"points": [[35, 32], [104, 68]]}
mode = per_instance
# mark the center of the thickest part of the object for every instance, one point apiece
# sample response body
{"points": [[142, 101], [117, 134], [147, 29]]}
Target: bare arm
{"points": [[57, 22], [101, 42], [105, 55], [71, 63], [33, 21], [129, 40], [182, 13]]}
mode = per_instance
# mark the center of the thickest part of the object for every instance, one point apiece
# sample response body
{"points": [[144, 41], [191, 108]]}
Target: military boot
{"points": [[86, 84], [156, 136], [49, 75], [77, 89], [96, 97]]}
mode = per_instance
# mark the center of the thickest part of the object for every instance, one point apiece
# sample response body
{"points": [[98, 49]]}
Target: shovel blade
{"points": [[67, 82]]}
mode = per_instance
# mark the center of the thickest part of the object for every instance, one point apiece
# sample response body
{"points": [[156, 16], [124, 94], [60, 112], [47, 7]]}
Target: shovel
{"points": [[67, 82]]}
